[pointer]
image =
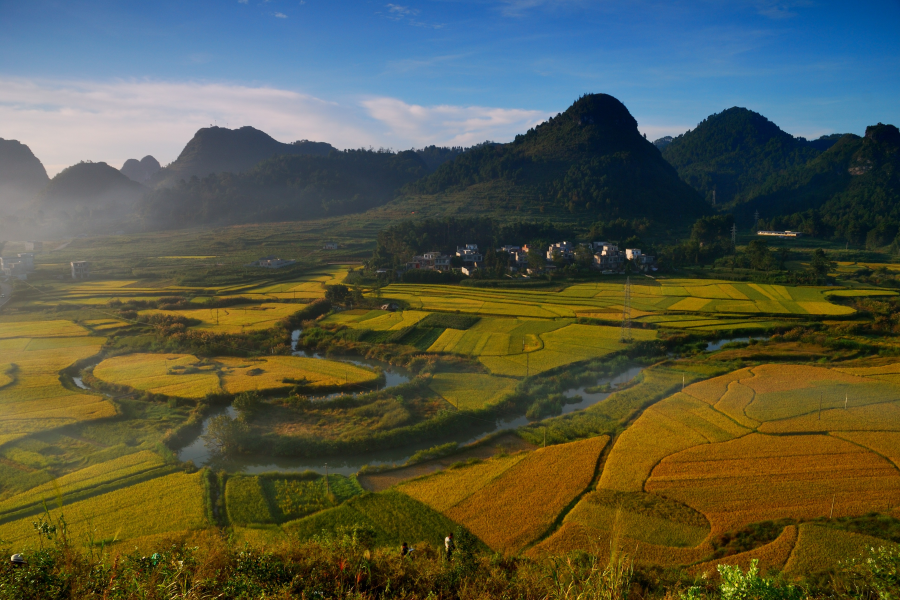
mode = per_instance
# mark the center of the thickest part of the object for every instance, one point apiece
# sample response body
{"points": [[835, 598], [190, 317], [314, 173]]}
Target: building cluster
{"points": [[607, 258], [18, 266], [271, 262], [781, 234]]}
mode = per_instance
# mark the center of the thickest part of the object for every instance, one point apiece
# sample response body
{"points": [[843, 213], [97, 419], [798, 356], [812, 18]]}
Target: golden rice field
{"points": [[444, 490], [604, 300], [186, 376], [234, 319], [760, 477], [521, 504], [32, 397], [751, 446], [92, 293], [172, 503]]}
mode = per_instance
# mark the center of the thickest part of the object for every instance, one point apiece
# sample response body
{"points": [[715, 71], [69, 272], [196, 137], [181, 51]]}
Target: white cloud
{"points": [[280, 15], [449, 125], [64, 122]]}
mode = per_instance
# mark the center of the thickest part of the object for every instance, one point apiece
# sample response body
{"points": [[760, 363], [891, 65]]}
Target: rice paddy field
{"points": [[186, 376], [649, 297], [759, 444], [509, 502], [31, 395]]}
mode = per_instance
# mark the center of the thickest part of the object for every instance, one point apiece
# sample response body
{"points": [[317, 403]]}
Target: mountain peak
{"points": [[141, 170], [21, 174], [219, 149], [602, 110], [883, 134]]}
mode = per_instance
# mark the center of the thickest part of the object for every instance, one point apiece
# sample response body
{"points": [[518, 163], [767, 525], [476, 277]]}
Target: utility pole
{"points": [[733, 235], [820, 407], [327, 484], [626, 313], [845, 401], [714, 196], [831, 514]]}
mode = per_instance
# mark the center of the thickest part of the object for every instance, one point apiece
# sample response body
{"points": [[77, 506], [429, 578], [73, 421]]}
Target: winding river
{"points": [[197, 451]]}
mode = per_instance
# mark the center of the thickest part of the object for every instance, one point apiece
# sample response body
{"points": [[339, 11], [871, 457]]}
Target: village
{"points": [[529, 260]]}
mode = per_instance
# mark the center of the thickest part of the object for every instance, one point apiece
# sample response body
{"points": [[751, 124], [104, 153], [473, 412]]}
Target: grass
{"points": [[521, 504], [269, 499], [182, 375], [393, 517]]}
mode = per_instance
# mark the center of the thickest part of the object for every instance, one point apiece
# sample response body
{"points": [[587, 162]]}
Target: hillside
{"points": [[141, 170], [734, 151], [285, 188], [21, 174], [589, 162], [220, 150], [851, 191]]}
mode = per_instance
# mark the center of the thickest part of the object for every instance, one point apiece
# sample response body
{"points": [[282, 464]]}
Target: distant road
{"points": [[6, 290]]}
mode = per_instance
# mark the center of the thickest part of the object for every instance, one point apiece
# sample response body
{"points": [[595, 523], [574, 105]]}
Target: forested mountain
{"points": [[588, 162], [21, 175], [283, 188], [851, 191], [735, 151], [435, 156], [221, 150], [91, 185], [142, 170]]}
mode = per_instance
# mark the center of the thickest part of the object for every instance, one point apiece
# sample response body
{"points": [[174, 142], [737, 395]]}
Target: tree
{"points": [[536, 260], [820, 265], [760, 256], [226, 435], [336, 294], [248, 405]]}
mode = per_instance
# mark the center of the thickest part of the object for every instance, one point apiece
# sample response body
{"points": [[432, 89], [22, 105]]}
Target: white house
{"points": [[469, 254], [80, 269]]}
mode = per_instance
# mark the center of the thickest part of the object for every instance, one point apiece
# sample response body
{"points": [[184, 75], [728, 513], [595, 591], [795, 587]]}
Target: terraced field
{"points": [[761, 443], [509, 502], [604, 300]]}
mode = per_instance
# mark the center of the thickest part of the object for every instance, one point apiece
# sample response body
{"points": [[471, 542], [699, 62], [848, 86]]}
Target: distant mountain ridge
{"points": [[222, 150], [285, 187], [22, 175], [588, 162], [850, 191], [141, 171], [736, 150]]}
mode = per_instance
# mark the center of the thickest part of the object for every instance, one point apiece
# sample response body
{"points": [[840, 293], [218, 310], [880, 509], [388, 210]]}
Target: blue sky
{"points": [[113, 80]]}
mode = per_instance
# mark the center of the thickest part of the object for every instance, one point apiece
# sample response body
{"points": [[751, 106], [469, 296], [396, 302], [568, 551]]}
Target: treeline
{"points": [[284, 188]]}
